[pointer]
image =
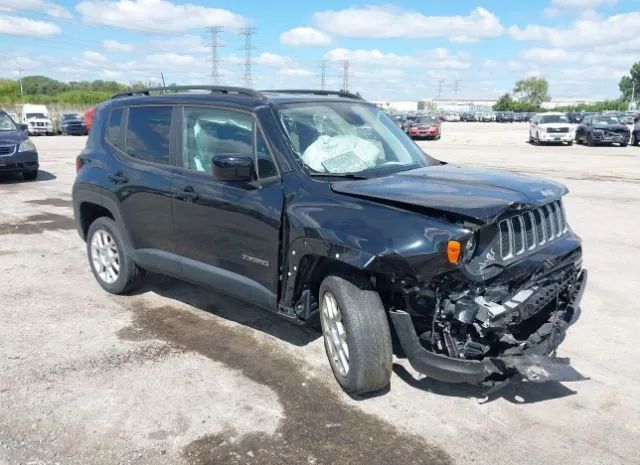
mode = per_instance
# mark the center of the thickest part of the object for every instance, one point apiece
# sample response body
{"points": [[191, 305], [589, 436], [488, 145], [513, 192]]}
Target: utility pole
{"points": [[215, 61], [323, 74], [633, 95], [345, 75], [247, 32], [440, 82], [20, 80]]}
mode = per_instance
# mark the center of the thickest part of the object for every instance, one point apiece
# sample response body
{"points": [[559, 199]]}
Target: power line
{"points": [[345, 75], [215, 61], [247, 32]]}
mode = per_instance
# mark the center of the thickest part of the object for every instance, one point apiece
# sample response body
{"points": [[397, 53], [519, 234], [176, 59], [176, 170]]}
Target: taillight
{"points": [[79, 163]]}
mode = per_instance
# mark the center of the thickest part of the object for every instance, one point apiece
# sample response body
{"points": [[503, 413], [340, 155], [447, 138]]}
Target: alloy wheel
{"points": [[105, 256], [335, 334]]}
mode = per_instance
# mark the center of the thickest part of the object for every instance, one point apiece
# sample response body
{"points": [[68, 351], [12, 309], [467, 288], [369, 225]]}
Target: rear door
{"points": [[228, 233], [140, 180]]}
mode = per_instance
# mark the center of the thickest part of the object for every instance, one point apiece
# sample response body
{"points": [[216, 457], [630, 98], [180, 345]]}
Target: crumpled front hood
{"points": [[475, 193]]}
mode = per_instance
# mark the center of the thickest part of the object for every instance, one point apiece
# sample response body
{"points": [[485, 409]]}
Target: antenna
{"points": [[345, 75], [215, 61], [20, 79], [247, 32], [323, 74]]}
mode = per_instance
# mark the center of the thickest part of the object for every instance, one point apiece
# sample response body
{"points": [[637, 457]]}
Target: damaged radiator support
{"points": [[489, 335]]}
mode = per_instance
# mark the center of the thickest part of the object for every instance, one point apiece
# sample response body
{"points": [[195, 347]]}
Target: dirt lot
{"points": [[176, 374]]}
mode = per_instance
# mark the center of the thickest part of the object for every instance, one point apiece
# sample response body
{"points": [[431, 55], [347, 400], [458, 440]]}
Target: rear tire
{"points": [[30, 175], [110, 260], [570, 143], [354, 321], [588, 140]]}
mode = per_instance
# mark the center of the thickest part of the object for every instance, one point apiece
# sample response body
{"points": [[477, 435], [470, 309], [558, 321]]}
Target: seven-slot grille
{"points": [[7, 149], [527, 231], [557, 129]]}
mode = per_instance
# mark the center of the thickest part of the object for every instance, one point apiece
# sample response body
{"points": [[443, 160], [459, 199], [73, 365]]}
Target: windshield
{"points": [[426, 119], [604, 119], [71, 116], [554, 119], [6, 124], [36, 115], [348, 137]]}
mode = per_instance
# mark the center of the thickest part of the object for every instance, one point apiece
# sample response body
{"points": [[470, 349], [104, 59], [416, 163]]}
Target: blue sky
{"points": [[396, 50]]}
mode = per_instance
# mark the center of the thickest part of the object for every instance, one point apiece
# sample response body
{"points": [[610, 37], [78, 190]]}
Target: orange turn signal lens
{"points": [[453, 251]]}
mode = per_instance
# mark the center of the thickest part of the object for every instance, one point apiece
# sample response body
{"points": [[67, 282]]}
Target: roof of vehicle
{"points": [[236, 95]]}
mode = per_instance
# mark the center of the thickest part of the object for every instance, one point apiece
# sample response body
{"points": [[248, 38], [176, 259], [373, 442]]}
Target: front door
{"points": [[228, 233]]}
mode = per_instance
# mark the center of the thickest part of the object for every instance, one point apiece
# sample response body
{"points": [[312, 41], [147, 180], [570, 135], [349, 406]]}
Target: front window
{"points": [[36, 115], [605, 119], [67, 116], [425, 120], [6, 124], [348, 137], [554, 119]]}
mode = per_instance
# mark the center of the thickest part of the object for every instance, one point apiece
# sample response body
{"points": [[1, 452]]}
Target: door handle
{"points": [[188, 194], [118, 178]]}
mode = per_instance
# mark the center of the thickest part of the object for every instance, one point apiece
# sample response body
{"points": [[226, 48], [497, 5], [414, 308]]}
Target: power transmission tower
{"points": [[215, 61], [345, 75], [323, 74], [440, 82], [247, 32]]}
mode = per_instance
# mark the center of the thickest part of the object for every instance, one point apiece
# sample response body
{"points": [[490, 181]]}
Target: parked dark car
{"points": [[635, 135], [72, 124], [602, 129], [425, 127], [279, 199], [17, 153], [505, 117], [407, 121]]}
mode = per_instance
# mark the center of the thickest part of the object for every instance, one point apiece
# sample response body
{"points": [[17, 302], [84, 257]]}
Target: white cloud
{"points": [[296, 72], [438, 58], [583, 3], [583, 33], [305, 37], [48, 8], [389, 21], [159, 16], [550, 12], [117, 47], [271, 59], [18, 26], [94, 57], [187, 43], [170, 59]]}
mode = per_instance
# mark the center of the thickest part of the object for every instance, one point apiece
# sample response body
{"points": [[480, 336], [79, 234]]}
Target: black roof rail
{"points": [[212, 89], [337, 93]]}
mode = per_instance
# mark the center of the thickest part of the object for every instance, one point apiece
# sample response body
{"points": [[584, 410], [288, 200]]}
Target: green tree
{"points": [[504, 103], [628, 82], [532, 90], [42, 85], [9, 91]]}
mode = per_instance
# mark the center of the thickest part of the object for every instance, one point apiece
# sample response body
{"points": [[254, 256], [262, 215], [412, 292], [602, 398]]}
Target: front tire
{"points": [[110, 260], [356, 333]]}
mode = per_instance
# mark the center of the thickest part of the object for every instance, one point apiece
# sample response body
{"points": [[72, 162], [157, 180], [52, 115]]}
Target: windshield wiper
{"points": [[337, 175]]}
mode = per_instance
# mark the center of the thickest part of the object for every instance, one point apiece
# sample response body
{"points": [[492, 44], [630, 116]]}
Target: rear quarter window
{"points": [[148, 133], [113, 134]]}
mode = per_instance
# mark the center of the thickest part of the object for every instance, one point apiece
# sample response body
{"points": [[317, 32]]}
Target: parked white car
{"points": [[37, 119], [551, 127]]}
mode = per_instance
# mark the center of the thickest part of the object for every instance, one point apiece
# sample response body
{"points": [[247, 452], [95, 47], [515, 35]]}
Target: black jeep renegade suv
{"points": [[315, 205]]}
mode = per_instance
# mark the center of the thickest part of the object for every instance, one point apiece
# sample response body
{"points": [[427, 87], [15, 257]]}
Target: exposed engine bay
{"points": [[508, 327]]}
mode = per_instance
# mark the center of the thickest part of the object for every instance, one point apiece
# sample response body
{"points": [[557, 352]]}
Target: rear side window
{"points": [[114, 128], [147, 135]]}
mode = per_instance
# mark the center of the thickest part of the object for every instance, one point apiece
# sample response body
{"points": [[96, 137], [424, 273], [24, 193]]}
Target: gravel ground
{"points": [[176, 374]]}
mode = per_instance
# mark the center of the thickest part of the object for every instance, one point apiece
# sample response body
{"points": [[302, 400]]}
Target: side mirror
{"points": [[23, 127], [233, 167]]}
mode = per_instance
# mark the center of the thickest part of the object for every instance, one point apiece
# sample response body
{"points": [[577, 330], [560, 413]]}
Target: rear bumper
{"points": [[532, 362]]}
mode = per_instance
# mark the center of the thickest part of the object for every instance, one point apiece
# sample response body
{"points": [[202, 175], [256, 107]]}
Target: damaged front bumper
{"points": [[531, 361]]}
